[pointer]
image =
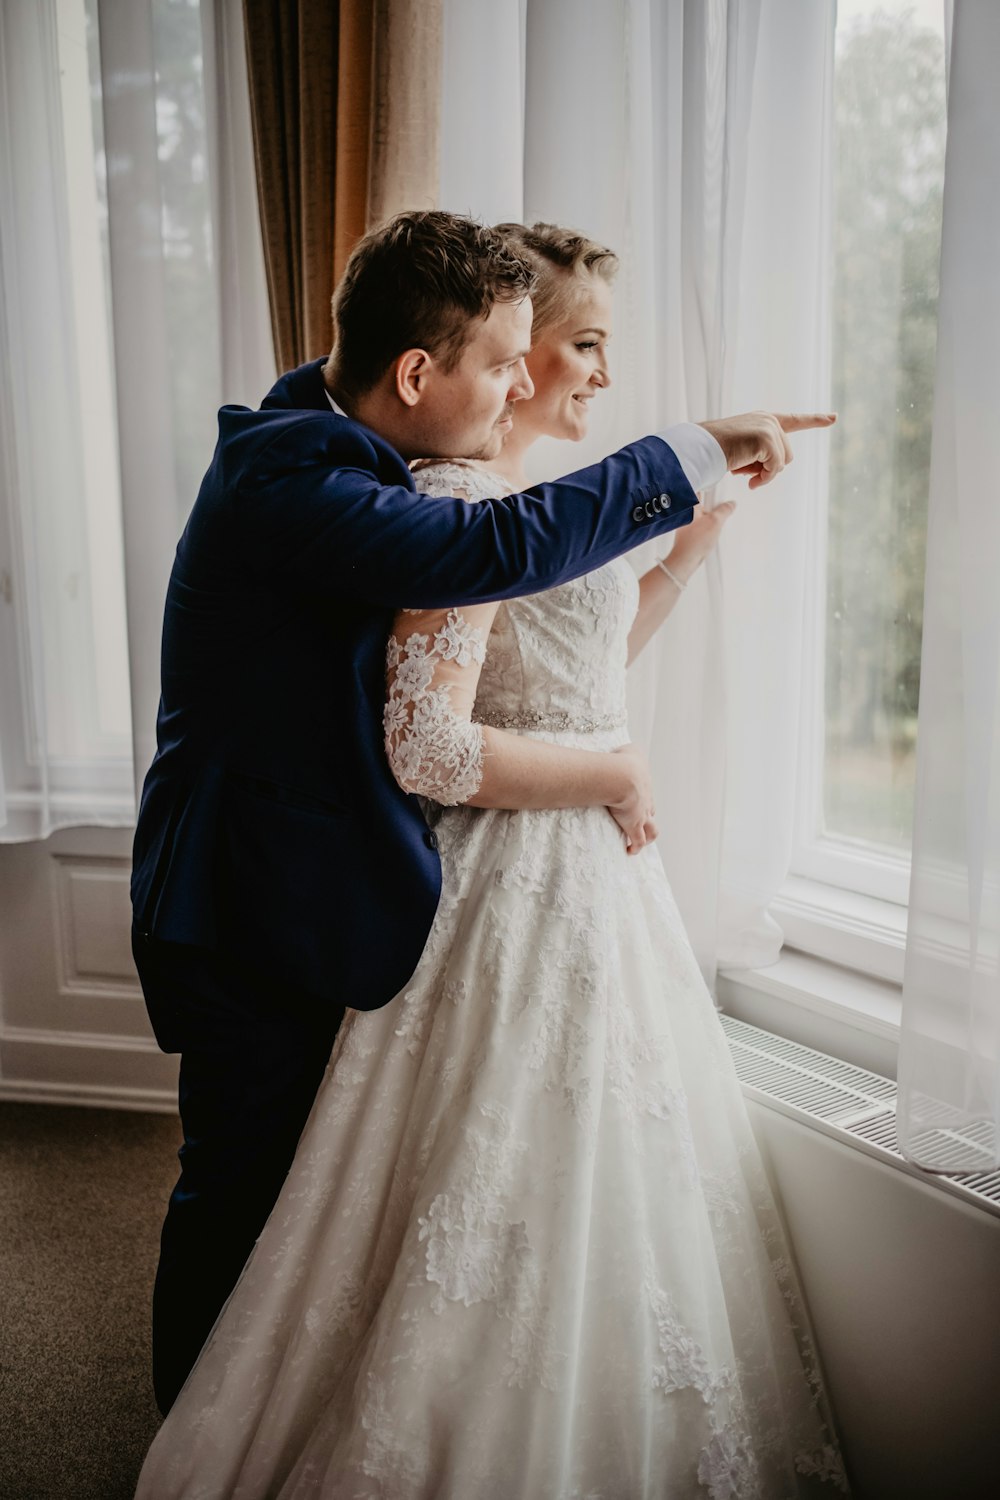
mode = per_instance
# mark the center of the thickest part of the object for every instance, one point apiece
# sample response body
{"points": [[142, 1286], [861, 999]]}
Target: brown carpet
{"points": [[82, 1197]]}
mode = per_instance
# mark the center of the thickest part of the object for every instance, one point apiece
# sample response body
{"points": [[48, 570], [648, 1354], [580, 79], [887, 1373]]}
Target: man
{"points": [[280, 873]]}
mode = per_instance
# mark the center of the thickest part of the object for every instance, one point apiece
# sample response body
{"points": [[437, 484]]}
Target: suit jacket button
{"points": [[431, 839], [657, 504], [649, 510], [638, 514], [665, 501]]}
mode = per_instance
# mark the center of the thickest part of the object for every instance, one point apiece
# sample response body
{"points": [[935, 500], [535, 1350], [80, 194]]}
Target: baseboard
{"points": [[91, 1096], [99, 1070]]}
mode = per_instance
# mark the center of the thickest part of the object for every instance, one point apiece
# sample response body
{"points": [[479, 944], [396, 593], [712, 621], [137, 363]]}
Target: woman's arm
{"points": [[433, 664], [658, 592]]}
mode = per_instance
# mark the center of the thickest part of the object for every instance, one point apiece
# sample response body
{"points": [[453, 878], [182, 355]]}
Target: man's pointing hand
{"points": [[756, 443]]}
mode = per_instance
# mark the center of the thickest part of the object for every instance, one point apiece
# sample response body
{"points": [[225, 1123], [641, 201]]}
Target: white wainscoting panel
{"points": [[94, 915], [73, 1026]]}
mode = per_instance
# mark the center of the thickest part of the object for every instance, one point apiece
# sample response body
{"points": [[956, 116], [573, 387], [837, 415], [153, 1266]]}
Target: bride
{"points": [[526, 1250]]}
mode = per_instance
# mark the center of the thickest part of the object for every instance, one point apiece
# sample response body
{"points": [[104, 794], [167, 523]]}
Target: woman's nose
{"points": [[601, 376]]}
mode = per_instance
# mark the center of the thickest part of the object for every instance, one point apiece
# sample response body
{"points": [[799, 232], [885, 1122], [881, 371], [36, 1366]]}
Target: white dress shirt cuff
{"points": [[697, 452]]}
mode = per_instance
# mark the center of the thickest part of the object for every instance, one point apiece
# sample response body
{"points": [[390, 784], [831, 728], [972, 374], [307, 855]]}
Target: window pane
{"points": [[890, 140]]}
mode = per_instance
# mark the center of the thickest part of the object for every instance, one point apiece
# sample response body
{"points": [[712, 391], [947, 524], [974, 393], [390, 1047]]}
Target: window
{"points": [[889, 102], [75, 288]]}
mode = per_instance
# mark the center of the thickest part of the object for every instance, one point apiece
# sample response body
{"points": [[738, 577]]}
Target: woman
{"points": [[526, 1250]]}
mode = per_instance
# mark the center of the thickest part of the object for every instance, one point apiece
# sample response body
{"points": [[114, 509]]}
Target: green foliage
{"points": [[890, 140]]}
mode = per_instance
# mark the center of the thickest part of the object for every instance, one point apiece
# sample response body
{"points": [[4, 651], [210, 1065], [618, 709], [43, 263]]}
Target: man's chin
{"points": [[492, 448]]}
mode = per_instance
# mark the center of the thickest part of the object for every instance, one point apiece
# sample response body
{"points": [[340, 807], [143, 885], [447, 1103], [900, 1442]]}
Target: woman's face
{"points": [[569, 366]]}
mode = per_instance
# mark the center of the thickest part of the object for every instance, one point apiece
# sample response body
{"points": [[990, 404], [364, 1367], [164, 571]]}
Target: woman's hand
{"points": [[633, 811], [660, 591], [693, 543]]}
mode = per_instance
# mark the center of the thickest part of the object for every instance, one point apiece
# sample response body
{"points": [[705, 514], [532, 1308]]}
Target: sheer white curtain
{"points": [[63, 675], [137, 216], [949, 1064], [184, 342], [694, 139]]}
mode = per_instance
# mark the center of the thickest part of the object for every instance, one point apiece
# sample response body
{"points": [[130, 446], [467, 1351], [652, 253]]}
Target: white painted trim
{"points": [[91, 1096], [107, 1071], [827, 990], [846, 927], [105, 1042], [806, 999], [868, 868]]}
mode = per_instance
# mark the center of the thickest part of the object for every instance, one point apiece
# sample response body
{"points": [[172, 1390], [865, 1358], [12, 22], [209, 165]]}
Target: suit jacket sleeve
{"points": [[306, 518]]}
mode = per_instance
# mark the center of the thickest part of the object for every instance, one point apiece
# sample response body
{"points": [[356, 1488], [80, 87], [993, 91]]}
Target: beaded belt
{"points": [[559, 720]]}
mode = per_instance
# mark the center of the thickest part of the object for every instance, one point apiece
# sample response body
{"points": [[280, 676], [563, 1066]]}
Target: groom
{"points": [[280, 874]]}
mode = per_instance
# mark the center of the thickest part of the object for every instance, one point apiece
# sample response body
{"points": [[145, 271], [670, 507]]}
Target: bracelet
{"points": [[661, 563]]}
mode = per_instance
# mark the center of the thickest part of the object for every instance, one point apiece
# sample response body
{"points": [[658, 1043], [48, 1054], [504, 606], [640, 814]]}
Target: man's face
{"points": [[465, 412]]}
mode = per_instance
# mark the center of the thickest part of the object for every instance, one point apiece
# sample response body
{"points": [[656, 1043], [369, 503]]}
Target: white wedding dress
{"points": [[526, 1250]]}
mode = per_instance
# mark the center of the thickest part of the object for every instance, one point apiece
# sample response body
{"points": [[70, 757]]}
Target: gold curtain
{"points": [[406, 107], [344, 99]]}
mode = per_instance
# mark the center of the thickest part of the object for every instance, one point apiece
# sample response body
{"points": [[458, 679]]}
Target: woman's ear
{"points": [[411, 371]]}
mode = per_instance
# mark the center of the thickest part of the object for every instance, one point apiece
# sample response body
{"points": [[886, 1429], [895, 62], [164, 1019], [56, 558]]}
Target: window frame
{"points": [[845, 900]]}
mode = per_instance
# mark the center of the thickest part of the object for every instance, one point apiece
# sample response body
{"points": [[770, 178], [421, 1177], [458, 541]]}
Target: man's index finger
{"points": [[800, 422]]}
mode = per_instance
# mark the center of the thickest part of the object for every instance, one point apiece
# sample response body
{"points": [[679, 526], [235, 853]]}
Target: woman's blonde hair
{"points": [[561, 258]]}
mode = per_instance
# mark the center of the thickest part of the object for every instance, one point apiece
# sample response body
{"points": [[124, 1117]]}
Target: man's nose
{"points": [[522, 387]]}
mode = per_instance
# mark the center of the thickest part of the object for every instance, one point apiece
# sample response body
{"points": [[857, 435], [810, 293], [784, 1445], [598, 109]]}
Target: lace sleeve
{"points": [[432, 671]]}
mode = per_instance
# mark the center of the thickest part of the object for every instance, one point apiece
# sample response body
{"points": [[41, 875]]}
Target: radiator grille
{"points": [[846, 1102]]}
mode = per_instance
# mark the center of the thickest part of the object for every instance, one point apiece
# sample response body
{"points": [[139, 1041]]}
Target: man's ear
{"points": [[411, 372]]}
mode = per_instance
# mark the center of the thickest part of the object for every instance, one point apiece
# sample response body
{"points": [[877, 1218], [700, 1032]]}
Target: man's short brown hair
{"points": [[418, 281]]}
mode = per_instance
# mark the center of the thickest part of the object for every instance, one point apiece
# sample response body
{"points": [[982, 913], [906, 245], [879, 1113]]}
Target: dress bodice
{"points": [[557, 660], [554, 660]]}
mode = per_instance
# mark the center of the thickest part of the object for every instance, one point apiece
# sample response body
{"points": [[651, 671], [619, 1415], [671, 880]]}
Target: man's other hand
{"points": [[756, 443]]}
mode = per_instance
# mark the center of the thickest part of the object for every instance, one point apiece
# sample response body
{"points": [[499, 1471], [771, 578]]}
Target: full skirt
{"points": [[526, 1250]]}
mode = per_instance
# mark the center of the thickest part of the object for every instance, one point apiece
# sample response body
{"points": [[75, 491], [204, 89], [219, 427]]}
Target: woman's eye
{"points": [[588, 344]]}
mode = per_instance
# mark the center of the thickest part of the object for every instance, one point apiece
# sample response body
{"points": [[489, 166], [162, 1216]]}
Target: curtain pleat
{"points": [[948, 1113], [353, 140], [345, 105], [406, 107], [292, 61]]}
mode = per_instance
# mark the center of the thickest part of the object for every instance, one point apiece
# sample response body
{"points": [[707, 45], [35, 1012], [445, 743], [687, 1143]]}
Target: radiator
{"points": [[846, 1102], [901, 1271]]}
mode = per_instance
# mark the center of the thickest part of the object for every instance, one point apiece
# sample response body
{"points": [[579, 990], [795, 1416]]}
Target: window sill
{"points": [[845, 927], [837, 985], [811, 1000]]}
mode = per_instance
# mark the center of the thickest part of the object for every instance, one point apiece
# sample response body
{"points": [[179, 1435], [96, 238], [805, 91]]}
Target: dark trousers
{"points": [[253, 1053]]}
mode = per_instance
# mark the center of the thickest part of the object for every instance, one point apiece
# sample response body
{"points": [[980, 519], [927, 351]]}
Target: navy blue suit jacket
{"points": [[270, 825]]}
